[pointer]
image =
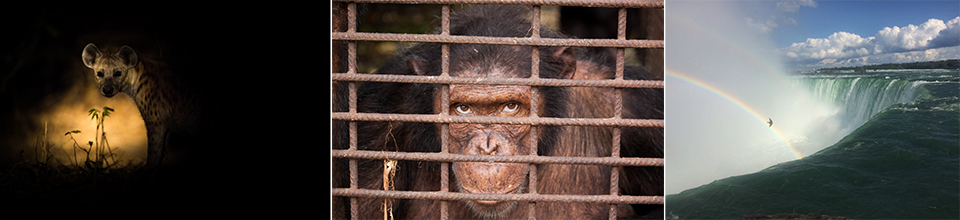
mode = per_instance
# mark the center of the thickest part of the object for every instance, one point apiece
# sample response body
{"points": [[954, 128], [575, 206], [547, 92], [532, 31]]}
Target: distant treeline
{"points": [[943, 64]]}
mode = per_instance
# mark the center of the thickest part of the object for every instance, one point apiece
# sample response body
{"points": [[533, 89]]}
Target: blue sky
{"points": [[724, 67], [864, 18], [848, 33]]}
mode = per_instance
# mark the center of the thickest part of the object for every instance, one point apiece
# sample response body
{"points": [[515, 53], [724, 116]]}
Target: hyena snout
{"points": [[108, 90]]}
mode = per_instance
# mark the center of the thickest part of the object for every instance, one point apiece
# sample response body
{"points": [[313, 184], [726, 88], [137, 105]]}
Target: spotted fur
{"points": [[164, 101]]}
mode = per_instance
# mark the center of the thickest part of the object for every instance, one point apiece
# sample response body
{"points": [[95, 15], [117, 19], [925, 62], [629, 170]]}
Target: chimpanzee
{"points": [[500, 61]]}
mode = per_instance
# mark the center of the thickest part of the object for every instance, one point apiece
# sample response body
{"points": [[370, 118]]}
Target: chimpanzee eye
{"points": [[116, 73], [100, 73], [463, 109], [511, 107]]}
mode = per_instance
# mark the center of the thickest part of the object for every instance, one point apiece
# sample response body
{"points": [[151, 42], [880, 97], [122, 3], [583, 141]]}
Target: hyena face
{"points": [[113, 71]]}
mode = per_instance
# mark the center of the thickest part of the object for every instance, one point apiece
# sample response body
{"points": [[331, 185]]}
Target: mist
{"points": [[721, 131]]}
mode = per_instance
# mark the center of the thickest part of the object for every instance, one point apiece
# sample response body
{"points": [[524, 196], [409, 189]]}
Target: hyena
{"points": [[164, 101]]}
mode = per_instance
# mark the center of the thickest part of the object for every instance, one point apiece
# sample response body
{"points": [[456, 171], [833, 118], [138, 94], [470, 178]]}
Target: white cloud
{"points": [[949, 36], [809, 3], [904, 57], [842, 48], [837, 45], [794, 6], [765, 26], [789, 21], [909, 38], [788, 6]]}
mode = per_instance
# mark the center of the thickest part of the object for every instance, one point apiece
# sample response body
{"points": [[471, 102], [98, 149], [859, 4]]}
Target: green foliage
{"points": [[943, 64]]}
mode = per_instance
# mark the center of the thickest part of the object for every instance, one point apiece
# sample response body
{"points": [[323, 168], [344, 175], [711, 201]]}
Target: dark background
{"points": [[577, 22], [259, 72]]}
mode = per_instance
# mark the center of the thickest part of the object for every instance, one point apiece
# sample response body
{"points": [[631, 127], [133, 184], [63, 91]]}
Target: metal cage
{"points": [[351, 36]]}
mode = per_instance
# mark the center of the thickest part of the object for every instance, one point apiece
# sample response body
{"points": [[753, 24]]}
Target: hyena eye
{"points": [[99, 73], [116, 73]]}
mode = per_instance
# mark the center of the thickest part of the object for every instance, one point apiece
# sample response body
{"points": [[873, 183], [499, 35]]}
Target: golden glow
{"points": [[124, 128]]}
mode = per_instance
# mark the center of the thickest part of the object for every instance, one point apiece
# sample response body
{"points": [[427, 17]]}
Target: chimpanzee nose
{"points": [[490, 147], [495, 140]]}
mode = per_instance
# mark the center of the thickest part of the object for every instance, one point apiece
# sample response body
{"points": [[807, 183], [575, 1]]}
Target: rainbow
{"points": [[733, 99], [711, 35]]}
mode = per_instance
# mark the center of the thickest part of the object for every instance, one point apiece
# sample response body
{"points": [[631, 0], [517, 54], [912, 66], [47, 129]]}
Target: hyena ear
{"points": [[127, 56], [90, 54]]}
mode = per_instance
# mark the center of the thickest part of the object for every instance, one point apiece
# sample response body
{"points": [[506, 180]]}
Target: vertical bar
{"points": [[352, 58], [618, 111], [621, 35], [445, 20], [534, 105], [535, 55], [615, 171], [352, 87], [445, 110]]}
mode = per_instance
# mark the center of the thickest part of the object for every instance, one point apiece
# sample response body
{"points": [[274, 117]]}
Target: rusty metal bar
{"points": [[534, 74], [354, 204], [654, 84], [577, 3], [532, 188], [352, 90], [607, 122], [522, 41], [617, 111], [431, 195], [615, 173], [615, 161], [607, 161], [444, 111]]}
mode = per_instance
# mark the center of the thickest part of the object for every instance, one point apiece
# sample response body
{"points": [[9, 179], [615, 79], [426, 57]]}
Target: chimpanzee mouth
{"points": [[495, 202], [493, 208]]}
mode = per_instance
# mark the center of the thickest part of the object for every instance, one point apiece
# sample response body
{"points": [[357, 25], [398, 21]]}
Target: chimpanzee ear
{"points": [[417, 66], [128, 56], [568, 62], [90, 54]]}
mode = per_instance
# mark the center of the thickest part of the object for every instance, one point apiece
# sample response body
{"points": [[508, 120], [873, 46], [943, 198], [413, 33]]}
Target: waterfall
{"points": [[860, 98]]}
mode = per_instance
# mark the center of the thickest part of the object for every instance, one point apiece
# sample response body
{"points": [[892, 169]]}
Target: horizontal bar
{"points": [[606, 122], [446, 157], [457, 39], [578, 3], [498, 197], [655, 84]]}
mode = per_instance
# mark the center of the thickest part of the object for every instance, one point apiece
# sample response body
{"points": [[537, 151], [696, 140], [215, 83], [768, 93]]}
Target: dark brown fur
{"points": [[468, 60]]}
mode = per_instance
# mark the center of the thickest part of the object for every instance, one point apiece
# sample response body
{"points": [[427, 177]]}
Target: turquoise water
{"points": [[900, 159]]}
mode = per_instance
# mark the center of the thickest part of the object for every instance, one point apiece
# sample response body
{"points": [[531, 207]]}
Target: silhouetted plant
{"points": [[103, 156]]}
